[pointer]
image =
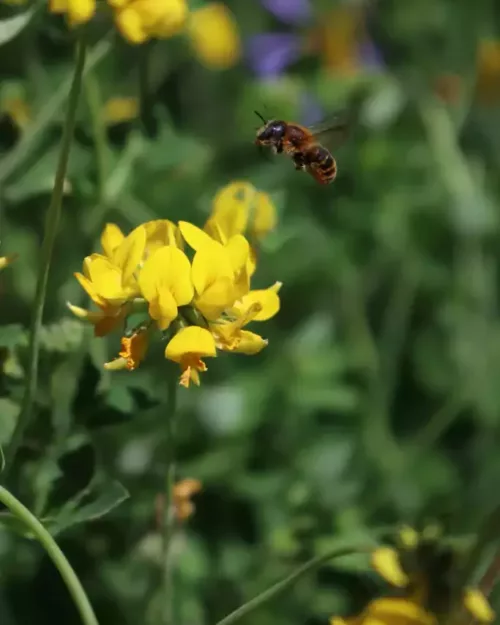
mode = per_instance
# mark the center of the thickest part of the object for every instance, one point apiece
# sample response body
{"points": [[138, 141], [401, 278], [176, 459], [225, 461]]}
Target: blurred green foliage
{"points": [[377, 400]]}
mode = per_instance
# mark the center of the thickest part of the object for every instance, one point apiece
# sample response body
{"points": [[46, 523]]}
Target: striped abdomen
{"points": [[320, 164]]}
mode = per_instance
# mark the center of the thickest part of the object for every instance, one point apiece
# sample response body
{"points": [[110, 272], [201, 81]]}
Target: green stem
{"points": [[56, 555], [271, 593], [95, 105], [51, 227], [169, 516]]}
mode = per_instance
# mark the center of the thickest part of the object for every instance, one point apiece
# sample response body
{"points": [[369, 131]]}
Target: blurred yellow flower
{"points": [[239, 208], [389, 611], [78, 11], [214, 36], [140, 20], [118, 110], [337, 39], [488, 71], [183, 492], [423, 567]]}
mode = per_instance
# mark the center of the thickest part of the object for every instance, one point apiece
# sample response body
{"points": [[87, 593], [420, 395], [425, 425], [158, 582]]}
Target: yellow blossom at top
{"points": [[78, 11], [239, 207], [214, 36], [140, 20]]}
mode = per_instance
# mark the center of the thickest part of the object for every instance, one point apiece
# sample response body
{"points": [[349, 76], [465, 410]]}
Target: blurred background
{"points": [[377, 399]]}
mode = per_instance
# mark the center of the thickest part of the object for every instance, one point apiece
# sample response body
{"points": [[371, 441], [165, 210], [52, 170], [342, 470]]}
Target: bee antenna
{"points": [[260, 117]]}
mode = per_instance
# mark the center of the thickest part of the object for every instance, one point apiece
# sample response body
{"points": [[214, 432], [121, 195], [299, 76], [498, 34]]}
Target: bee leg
{"points": [[299, 161]]}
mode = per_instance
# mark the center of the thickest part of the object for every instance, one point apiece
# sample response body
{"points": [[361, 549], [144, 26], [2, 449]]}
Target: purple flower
{"points": [[270, 53], [289, 11], [370, 55]]}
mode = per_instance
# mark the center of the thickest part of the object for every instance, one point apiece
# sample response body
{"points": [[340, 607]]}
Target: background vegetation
{"points": [[376, 401]]}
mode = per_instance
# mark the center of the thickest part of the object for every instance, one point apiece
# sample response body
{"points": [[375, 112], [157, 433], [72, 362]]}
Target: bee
{"points": [[302, 145]]}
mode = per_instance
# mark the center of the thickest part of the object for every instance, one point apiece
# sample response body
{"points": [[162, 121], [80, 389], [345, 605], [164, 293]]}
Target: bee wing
{"points": [[331, 132]]}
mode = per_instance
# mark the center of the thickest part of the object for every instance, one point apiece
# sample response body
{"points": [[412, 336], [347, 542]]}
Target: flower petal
{"points": [[386, 562], [231, 207], [477, 605], [268, 299], [239, 251], [194, 236], [264, 215], [210, 264], [111, 238], [129, 253], [191, 340]]}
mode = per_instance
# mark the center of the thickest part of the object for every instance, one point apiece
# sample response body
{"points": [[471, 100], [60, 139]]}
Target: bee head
{"points": [[271, 133]]}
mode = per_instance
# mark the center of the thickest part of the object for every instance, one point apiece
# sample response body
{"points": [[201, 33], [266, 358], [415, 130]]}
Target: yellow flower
{"points": [[214, 36], [78, 11], [118, 110], [389, 611], [219, 272], [159, 232], [165, 282], [238, 207], [188, 347], [140, 20], [111, 280], [255, 306]]}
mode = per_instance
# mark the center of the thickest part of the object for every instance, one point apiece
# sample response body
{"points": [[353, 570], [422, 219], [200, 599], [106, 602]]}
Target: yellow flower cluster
{"points": [[421, 569], [201, 302], [211, 29]]}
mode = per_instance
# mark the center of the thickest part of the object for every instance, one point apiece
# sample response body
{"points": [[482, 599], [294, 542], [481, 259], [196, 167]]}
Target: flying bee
{"points": [[302, 145]]}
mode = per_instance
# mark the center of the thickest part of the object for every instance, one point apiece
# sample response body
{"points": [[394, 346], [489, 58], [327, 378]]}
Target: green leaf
{"points": [[110, 495], [12, 26], [2, 459], [13, 335]]}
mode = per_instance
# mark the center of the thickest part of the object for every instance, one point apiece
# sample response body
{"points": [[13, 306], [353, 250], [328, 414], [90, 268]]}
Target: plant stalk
{"points": [[51, 227], [60, 561]]}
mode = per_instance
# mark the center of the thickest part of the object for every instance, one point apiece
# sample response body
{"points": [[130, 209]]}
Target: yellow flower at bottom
{"points": [[140, 20], [188, 347], [214, 36], [389, 611], [78, 11]]}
